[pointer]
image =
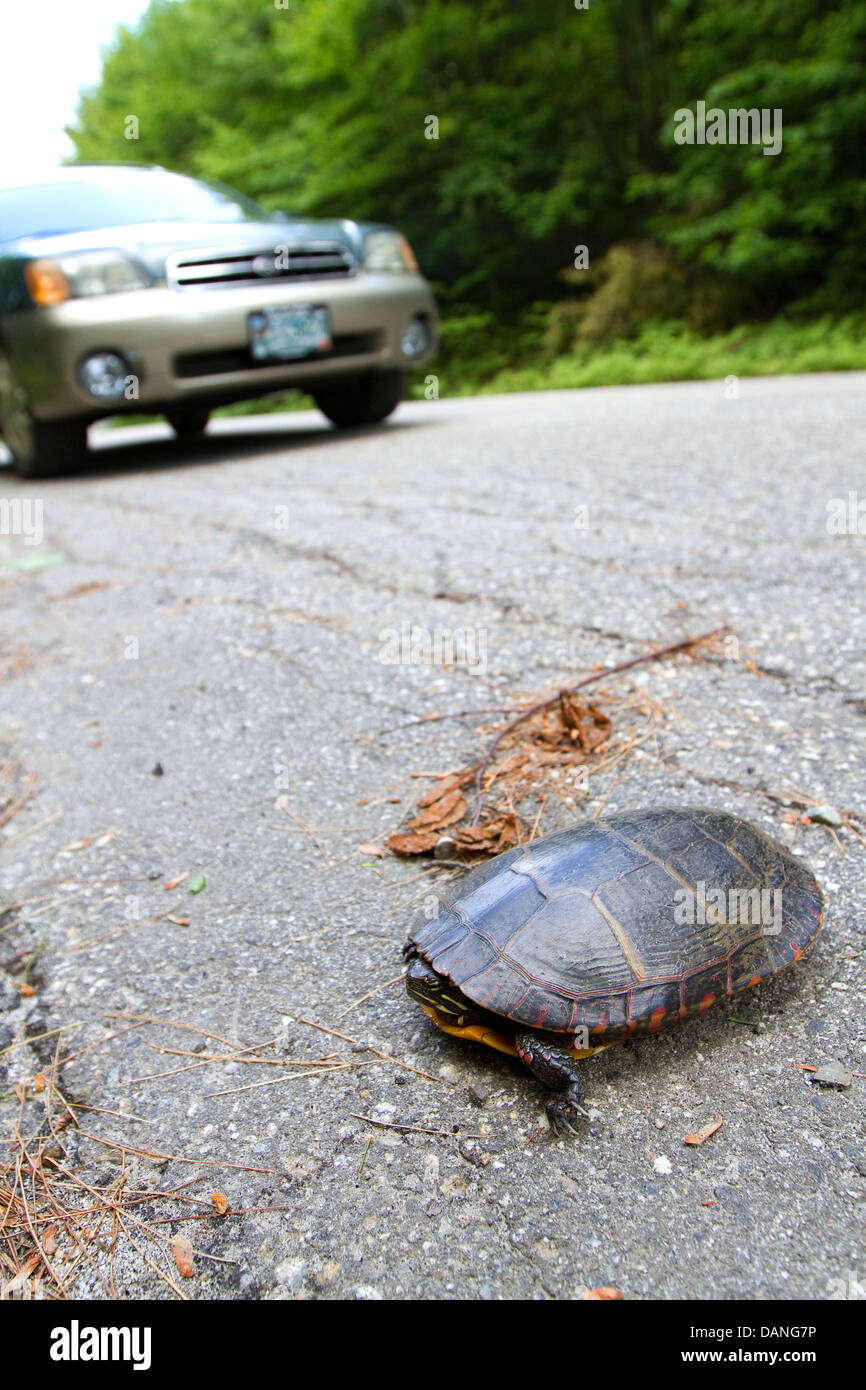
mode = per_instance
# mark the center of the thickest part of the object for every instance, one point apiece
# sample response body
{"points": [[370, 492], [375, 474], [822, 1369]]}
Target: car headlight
{"points": [[388, 251], [85, 273]]}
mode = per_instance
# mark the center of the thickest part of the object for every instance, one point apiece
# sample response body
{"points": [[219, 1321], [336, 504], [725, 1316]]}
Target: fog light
{"points": [[104, 375], [416, 338]]}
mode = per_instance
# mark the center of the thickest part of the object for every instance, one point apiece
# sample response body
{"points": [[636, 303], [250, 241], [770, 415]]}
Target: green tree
{"points": [[555, 128], [786, 227]]}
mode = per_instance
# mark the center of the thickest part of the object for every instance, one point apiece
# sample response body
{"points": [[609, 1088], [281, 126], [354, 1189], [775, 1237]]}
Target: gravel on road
{"points": [[207, 668]]}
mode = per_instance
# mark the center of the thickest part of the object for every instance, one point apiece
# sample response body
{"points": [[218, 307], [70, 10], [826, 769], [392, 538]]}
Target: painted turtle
{"points": [[612, 930]]}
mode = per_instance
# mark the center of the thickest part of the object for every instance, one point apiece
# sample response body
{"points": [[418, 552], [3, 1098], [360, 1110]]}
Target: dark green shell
{"points": [[590, 928]]}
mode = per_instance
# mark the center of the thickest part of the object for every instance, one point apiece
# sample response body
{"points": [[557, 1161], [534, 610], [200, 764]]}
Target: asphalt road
{"points": [[223, 610]]}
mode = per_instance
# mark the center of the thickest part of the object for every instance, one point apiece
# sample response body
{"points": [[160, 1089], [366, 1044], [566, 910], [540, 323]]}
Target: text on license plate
{"points": [[291, 330]]}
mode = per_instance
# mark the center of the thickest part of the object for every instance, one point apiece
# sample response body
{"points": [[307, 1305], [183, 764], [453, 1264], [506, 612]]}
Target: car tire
{"points": [[362, 400], [189, 421], [39, 448]]}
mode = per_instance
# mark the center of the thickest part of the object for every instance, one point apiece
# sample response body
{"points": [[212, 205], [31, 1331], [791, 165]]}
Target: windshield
{"points": [[118, 198]]}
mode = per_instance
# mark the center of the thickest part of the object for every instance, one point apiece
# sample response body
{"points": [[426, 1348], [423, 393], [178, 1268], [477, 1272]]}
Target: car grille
{"points": [[314, 260], [218, 363]]}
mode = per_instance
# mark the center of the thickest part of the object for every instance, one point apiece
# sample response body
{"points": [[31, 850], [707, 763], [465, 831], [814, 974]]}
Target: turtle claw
{"points": [[559, 1108]]}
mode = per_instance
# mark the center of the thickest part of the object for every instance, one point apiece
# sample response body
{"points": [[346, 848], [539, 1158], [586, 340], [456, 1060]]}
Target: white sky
{"points": [[49, 49]]}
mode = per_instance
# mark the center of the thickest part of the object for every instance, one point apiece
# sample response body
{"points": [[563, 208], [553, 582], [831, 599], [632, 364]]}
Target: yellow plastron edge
{"points": [[476, 1032]]}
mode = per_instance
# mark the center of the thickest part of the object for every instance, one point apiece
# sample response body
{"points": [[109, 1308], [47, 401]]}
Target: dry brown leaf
{"points": [[19, 1280], [510, 833], [604, 1293], [372, 849], [183, 1256], [476, 834], [178, 921], [601, 732], [173, 882], [586, 725], [558, 758], [412, 844], [565, 734], [512, 763], [445, 811], [491, 837], [49, 1240], [443, 786], [220, 1203], [704, 1132]]}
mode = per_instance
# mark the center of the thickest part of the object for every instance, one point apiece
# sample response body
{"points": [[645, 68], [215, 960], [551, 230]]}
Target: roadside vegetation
{"points": [[532, 158]]}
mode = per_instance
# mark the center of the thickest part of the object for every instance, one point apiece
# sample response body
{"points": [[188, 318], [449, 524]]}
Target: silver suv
{"points": [[125, 289]]}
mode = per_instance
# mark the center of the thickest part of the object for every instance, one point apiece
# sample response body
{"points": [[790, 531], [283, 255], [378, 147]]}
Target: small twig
{"points": [[395, 1061], [281, 806], [291, 1076], [36, 1241], [416, 1129], [29, 788], [364, 1159], [99, 1042], [35, 1037], [454, 714], [170, 1023], [542, 799], [604, 674], [604, 800], [223, 1216], [177, 1158], [209, 1058], [100, 1110], [22, 834], [794, 797], [369, 995], [156, 1269]]}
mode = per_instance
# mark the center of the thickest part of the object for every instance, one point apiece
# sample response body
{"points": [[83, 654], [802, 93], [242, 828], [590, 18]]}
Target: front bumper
{"points": [[194, 345]]}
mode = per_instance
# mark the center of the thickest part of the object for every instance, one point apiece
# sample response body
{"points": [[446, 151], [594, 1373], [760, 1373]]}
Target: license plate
{"points": [[289, 331]]}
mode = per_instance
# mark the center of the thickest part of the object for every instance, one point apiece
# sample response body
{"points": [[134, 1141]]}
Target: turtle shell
{"points": [[626, 925]]}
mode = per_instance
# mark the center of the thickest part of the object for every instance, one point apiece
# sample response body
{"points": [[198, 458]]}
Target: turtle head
{"points": [[433, 991]]}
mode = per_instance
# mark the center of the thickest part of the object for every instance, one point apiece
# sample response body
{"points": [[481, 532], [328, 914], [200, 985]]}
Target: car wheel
{"points": [[189, 420], [39, 448], [363, 400]]}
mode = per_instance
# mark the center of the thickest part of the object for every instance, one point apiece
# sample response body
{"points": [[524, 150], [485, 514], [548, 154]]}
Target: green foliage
{"points": [[555, 129], [673, 352], [786, 227]]}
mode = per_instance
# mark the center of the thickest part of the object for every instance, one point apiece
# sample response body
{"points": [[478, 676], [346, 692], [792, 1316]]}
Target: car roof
{"points": [[67, 173]]}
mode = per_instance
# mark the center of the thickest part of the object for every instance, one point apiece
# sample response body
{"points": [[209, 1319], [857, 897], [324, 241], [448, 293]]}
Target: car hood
{"points": [[152, 242]]}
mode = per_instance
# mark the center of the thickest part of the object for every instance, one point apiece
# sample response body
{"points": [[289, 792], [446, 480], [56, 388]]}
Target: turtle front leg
{"points": [[547, 1059]]}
